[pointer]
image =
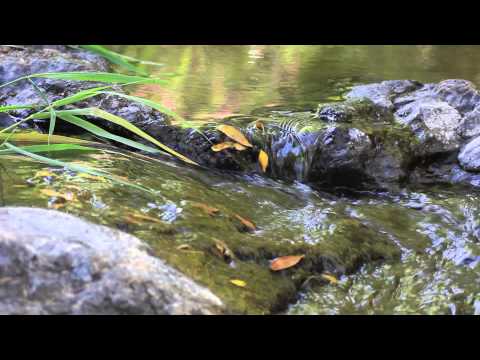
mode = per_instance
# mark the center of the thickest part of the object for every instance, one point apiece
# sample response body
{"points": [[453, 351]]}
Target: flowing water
{"points": [[430, 237]]}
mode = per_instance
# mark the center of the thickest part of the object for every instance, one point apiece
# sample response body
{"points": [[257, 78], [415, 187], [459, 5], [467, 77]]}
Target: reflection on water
{"points": [[219, 81]]}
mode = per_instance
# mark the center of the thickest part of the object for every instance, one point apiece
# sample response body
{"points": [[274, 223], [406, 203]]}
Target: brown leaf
{"points": [[184, 247], [263, 160], [285, 262], [235, 134], [248, 225], [146, 218], [259, 125], [208, 209]]}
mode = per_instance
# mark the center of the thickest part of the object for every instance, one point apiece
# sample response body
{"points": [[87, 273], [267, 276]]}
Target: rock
{"points": [[381, 93], [469, 156], [470, 124], [435, 124], [54, 263], [460, 94]]}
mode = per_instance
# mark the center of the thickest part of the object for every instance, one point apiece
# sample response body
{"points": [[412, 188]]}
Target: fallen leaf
{"points": [[235, 134], [259, 125], [44, 173], [208, 209], [239, 147], [184, 247], [52, 193], [238, 282], [91, 177], [285, 262], [146, 217], [224, 251], [222, 146], [249, 225], [263, 160], [332, 279]]}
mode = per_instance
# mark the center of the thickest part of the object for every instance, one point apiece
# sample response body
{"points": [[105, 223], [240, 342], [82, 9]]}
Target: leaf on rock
{"points": [[234, 134], [259, 125], [238, 282], [228, 145], [246, 224], [263, 160], [285, 262]]}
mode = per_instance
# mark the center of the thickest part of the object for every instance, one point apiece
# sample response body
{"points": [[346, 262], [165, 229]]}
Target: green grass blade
{"points": [[74, 167], [49, 148], [34, 137], [84, 124], [114, 58], [91, 76], [15, 107], [147, 102], [96, 112], [53, 116]]}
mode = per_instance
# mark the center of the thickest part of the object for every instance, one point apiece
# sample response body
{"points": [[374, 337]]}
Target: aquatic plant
{"points": [[54, 110]]}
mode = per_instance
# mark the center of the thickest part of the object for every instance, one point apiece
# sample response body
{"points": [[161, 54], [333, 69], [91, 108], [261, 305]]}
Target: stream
{"points": [[412, 251]]}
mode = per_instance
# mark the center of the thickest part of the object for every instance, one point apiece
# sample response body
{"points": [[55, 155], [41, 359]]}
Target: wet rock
{"points": [[460, 94], [435, 124], [54, 263], [381, 94], [470, 124], [469, 157]]}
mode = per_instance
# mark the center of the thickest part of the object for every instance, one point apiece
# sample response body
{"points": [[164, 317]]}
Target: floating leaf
{"points": [[332, 279], [235, 134], [263, 160], [208, 209], [247, 224], [285, 262], [238, 282]]}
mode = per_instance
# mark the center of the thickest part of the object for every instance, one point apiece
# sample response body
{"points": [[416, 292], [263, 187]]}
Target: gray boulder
{"points": [[470, 125], [469, 157], [435, 124], [54, 263], [381, 94]]}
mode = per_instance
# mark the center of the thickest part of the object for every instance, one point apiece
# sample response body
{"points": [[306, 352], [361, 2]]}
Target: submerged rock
{"points": [[54, 263]]}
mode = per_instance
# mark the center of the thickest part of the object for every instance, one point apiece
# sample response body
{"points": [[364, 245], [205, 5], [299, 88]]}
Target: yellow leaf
{"points": [[235, 134], [228, 145], [332, 279], [44, 173], [146, 217], [52, 193], [285, 262], [239, 147], [263, 160], [91, 177], [238, 282]]}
